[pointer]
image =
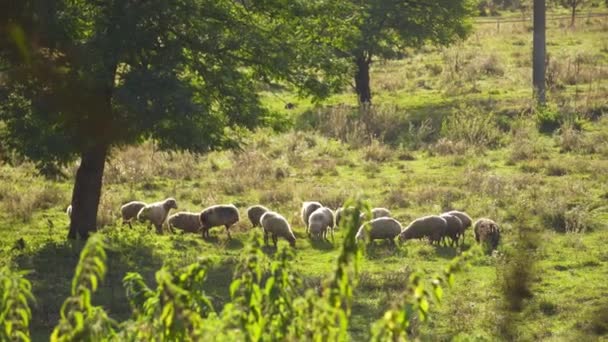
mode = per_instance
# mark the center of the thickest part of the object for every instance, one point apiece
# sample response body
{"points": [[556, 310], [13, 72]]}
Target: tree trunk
{"points": [[574, 3], [362, 80], [87, 192], [539, 48]]}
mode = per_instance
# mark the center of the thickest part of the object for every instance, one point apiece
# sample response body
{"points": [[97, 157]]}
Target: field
{"points": [[451, 128]]}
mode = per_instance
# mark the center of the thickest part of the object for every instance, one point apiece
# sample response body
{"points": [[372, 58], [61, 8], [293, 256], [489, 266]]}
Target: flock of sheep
{"points": [[319, 222]]}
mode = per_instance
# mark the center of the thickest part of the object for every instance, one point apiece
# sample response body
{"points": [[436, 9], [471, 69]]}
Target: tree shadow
{"points": [[52, 269], [446, 252], [321, 244], [381, 249], [233, 244], [217, 282]]}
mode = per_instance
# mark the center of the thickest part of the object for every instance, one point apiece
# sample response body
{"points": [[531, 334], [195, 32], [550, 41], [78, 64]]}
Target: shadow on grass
{"points": [[52, 268], [217, 283], [381, 249], [321, 244]]}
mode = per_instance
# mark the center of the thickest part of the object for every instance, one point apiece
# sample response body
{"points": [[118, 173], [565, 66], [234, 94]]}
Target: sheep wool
{"points": [[219, 215], [465, 219], [186, 221], [432, 227], [453, 228], [157, 212], [255, 213], [320, 222], [487, 232], [277, 226], [307, 209], [130, 210], [381, 228]]}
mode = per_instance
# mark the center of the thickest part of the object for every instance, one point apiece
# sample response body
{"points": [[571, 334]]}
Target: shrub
{"points": [[471, 126], [377, 152]]}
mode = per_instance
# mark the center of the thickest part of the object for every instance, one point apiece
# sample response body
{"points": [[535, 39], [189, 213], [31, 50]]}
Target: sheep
{"points": [[432, 227], [219, 215], [307, 209], [382, 228], [130, 210], [156, 213], [376, 213], [487, 232], [254, 213], [380, 212], [453, 228], [188, 222], [344, 212], [465, 219], [320, 221], [277, 226]]}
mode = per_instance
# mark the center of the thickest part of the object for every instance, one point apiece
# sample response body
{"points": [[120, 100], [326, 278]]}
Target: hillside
{"points": [[450, 128]]}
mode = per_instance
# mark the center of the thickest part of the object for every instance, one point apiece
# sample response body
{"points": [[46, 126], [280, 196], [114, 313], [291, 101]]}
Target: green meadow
{"points": [[450, 128]]}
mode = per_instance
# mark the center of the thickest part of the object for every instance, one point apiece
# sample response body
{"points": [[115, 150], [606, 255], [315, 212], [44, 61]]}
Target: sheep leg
{"points": [[228, 231], [265, 237], [159, 228], [129, 223], [275, 240]]}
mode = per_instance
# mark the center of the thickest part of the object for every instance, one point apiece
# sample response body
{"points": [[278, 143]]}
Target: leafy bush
{"points": [[468, 124]]}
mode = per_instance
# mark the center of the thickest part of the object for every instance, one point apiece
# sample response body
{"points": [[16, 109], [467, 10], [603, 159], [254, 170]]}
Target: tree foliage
{"points": [[386, 27]]}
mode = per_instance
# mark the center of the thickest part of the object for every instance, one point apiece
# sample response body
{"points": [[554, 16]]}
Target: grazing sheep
{"points": [[487, 232], [188, 222], [380, 212], [382, 228], [255, 213], [432, 227], [465, 219], [219, 215], [307, 209], [320, 221], [342, 212], [156, 213], [453, 229], [130, 210], [68, 211], [277, 226]]}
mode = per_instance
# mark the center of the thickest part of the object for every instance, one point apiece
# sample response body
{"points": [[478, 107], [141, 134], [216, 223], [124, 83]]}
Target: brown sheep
{"points": [[465, 219], [219, 215], [432, 227], [188, 222], [254, 213], [453, 229], [487, 232]]}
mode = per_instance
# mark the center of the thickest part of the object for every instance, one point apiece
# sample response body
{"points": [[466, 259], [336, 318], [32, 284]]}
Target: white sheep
{"points": [[277, 226], [382, 228], [157, 212], [130, 210], [219, 215], [255, 213], [186, 221], [320, 222], [307, 209]]}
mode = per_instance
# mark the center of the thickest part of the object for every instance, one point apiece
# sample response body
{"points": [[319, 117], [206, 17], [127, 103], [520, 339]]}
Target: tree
{"points": [[385, 27], [539, 51], [80, 77], [573, 5]]}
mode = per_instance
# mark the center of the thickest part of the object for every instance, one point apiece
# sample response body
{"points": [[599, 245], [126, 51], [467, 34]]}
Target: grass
{"points": [[418, 152]]}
